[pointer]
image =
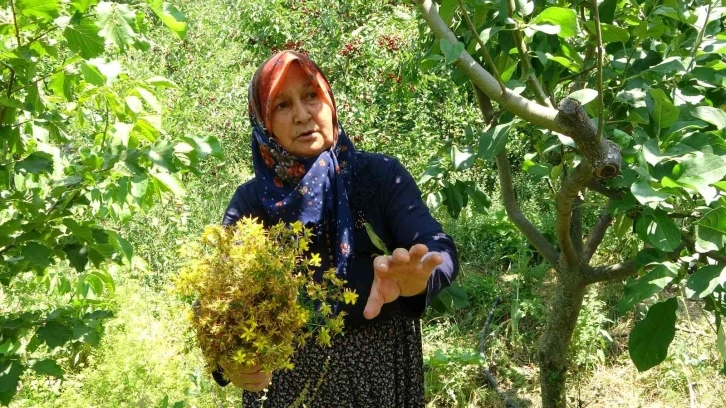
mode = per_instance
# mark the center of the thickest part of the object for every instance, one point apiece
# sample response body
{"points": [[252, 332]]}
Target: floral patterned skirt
{"points": [[375, 365]]}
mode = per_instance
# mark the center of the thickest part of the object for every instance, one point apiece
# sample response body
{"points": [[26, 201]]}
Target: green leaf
{"points": [[493, 141], [83, 38], [610, 33], [462, 159], [45, 10], [660, 231], [565, 62], [701, 170], [650, 337], [458, 295], [171, 17], [711, 231], [121, 245], [661, 109], [721, 341], [54, 334], [116, 22], [488, 33], [669, 65], [714, 116], [375, 239], [81, 232], [451, 51], [37, 253], [705, 280], [206, 146], [161, 82], [82, 5], [77, 256], [479, 198], [606, 10], [35, 163], [647, 285], [565, 18], [10, 372], [584, 96], [92, 75], [645, 194], [48, 367], [170, 182]]}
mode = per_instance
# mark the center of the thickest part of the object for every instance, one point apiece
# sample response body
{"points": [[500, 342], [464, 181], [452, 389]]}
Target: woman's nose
{"points": [[300, 112]]}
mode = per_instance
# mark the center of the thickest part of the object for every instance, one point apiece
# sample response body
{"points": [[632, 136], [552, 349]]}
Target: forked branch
{"points": [[571, 187], [597, 232], [515, 214]]}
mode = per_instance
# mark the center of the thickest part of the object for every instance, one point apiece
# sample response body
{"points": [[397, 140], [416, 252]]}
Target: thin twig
{"points": [[485, 329], [597, 232], [483, 47], [482, 351], [569, 190], [529, 75], [700, 37], [15, 22], [600, 96]]}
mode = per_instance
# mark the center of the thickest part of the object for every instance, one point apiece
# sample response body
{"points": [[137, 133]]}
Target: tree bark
{"points": [[565, 307]]}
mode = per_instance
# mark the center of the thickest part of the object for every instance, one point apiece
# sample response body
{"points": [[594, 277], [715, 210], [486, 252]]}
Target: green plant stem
{"points": [[484, 51], [531, 79], [700, 37], [600, 96]]}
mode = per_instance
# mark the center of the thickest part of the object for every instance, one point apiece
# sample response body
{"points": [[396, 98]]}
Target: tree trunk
{"points": [[554, 349]]}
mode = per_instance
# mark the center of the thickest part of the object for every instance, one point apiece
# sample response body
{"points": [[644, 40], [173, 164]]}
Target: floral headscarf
{"points": [[314, 190]]}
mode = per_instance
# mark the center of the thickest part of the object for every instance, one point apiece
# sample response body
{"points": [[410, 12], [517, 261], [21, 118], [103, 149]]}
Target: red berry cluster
{"points": [[390, 42], [351, 48], [394, 77]]}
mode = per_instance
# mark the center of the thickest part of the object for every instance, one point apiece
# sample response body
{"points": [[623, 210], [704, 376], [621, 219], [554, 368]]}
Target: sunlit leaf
{"points": [[116, 22], [565, 18], [705, 280], [647, 285]]}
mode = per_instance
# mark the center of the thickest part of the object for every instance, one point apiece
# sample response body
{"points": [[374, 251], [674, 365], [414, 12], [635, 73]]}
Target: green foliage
{"points": [[82, 149], [650, 338], [663, 100]]}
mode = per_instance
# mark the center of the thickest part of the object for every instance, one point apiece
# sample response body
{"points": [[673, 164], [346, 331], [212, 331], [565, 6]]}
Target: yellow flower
{"points": [[303, 245], [349, 296], [248, 333], [315, 260], [297, 227]]}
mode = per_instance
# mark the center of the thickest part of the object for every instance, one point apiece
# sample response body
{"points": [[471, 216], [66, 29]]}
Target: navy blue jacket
{"points": [[385, 196]]}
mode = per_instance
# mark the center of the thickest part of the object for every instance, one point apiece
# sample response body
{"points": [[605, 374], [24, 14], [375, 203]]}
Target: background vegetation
{"points": [[392, 100]]}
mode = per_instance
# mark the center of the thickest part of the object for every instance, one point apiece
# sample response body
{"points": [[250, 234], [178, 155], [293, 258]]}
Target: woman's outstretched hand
{"points": [[251, 379], [404, 273]]}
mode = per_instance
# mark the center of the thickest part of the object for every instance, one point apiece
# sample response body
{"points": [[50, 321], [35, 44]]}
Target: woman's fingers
{"points": [[431, 262], [257, 382], [417, 252], [251, 370], [375, 300]]}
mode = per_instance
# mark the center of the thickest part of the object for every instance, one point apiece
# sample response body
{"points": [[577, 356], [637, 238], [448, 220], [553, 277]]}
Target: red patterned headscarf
{"points": [[314, 190]]}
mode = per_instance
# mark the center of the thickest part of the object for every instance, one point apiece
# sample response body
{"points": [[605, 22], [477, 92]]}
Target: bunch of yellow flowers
{"points": [[255, 299]]}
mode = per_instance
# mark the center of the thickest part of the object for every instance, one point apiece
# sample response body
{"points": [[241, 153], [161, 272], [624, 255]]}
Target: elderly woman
{"points": [[307, 169]]}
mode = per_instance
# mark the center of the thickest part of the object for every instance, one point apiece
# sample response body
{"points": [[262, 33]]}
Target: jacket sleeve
{"points": [[410, 223]]}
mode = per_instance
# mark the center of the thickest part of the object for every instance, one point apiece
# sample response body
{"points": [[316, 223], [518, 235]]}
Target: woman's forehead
{"points": [[295, 78]]}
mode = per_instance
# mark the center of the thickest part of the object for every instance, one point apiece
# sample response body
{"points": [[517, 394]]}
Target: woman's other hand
{"points": [[251, 379], [404, 273]]}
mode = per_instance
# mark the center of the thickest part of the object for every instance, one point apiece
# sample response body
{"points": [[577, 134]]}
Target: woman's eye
{"points": [[312, 95], [281, 105]]}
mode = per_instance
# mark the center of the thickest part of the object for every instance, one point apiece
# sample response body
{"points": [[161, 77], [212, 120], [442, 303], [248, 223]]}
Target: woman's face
{"points": [[300, 120]]}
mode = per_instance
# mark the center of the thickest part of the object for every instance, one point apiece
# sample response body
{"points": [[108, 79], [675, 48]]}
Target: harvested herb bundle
{"points": [[254, 294]]}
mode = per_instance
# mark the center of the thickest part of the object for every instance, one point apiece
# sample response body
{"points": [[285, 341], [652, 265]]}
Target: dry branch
{"points": [[571, 187]]}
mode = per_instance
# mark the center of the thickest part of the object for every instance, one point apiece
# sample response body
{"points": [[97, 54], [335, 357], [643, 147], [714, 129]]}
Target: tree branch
{"points": [[597, 232], [532, 112], [576, 225], [531, 79], [518, 218], [484, 51], [600, 97], [571, 187], [611, 272], [572, 122], [603, 154], [595, 185]]}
